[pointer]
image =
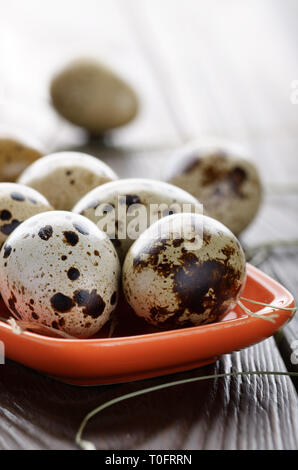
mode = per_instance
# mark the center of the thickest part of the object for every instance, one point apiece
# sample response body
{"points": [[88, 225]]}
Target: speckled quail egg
{"points": [[14, 158], [227, 185], [125, 208], [18, 203], [65, 177], [92, 96], [60, 270], [184, 270]]}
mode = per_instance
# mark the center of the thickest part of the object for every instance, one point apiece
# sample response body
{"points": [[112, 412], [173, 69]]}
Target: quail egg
{"points": [[18, 203], [125, 208], [184, 270], [228, 186], [60, 270], [14, 158], [92, 96], [65, 177]]}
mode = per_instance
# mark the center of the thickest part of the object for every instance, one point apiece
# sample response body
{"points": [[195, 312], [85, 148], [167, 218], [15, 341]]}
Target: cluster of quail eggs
{"points": [[63, 266], [57, 268], [75, 239]]}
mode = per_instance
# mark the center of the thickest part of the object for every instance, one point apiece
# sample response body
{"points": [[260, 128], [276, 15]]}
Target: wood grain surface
{"points": [[201, 69], [234, 413]]}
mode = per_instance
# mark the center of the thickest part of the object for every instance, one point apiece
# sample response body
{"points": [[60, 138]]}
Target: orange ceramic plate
{"points": [[135, 353]]}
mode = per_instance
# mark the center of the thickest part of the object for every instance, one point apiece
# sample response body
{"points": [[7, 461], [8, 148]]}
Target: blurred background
{"points": [[200, 69]]}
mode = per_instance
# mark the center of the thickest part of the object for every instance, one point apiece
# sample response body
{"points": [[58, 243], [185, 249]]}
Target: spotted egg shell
{"points": [[14, 158], [185, 270], [65, 177], [228, 185], [60, 270], [107, 203], [18, 203]]}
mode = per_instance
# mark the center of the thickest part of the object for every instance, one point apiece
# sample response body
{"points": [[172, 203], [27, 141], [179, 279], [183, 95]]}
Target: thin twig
{"points": [[87, 445], [257, 315], [275, 307]]}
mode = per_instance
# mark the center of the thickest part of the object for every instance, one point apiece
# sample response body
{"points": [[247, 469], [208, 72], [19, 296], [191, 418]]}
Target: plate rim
{"points": [[101, 361]]}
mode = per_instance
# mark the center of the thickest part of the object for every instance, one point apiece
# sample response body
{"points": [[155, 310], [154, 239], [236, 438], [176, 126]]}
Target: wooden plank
{"points": [[283, 268], [277, 221], [244, 413]]}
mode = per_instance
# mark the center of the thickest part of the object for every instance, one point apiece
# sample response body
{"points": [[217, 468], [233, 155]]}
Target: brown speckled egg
{"points": [[118, 201], [65, 177], [14, 158], [227, 185], [18, 203], [60, 270], [185, 270], [92, 96]]}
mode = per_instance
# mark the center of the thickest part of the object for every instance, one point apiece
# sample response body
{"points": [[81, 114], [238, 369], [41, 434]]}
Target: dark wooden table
{"points": [[202, 69]]}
